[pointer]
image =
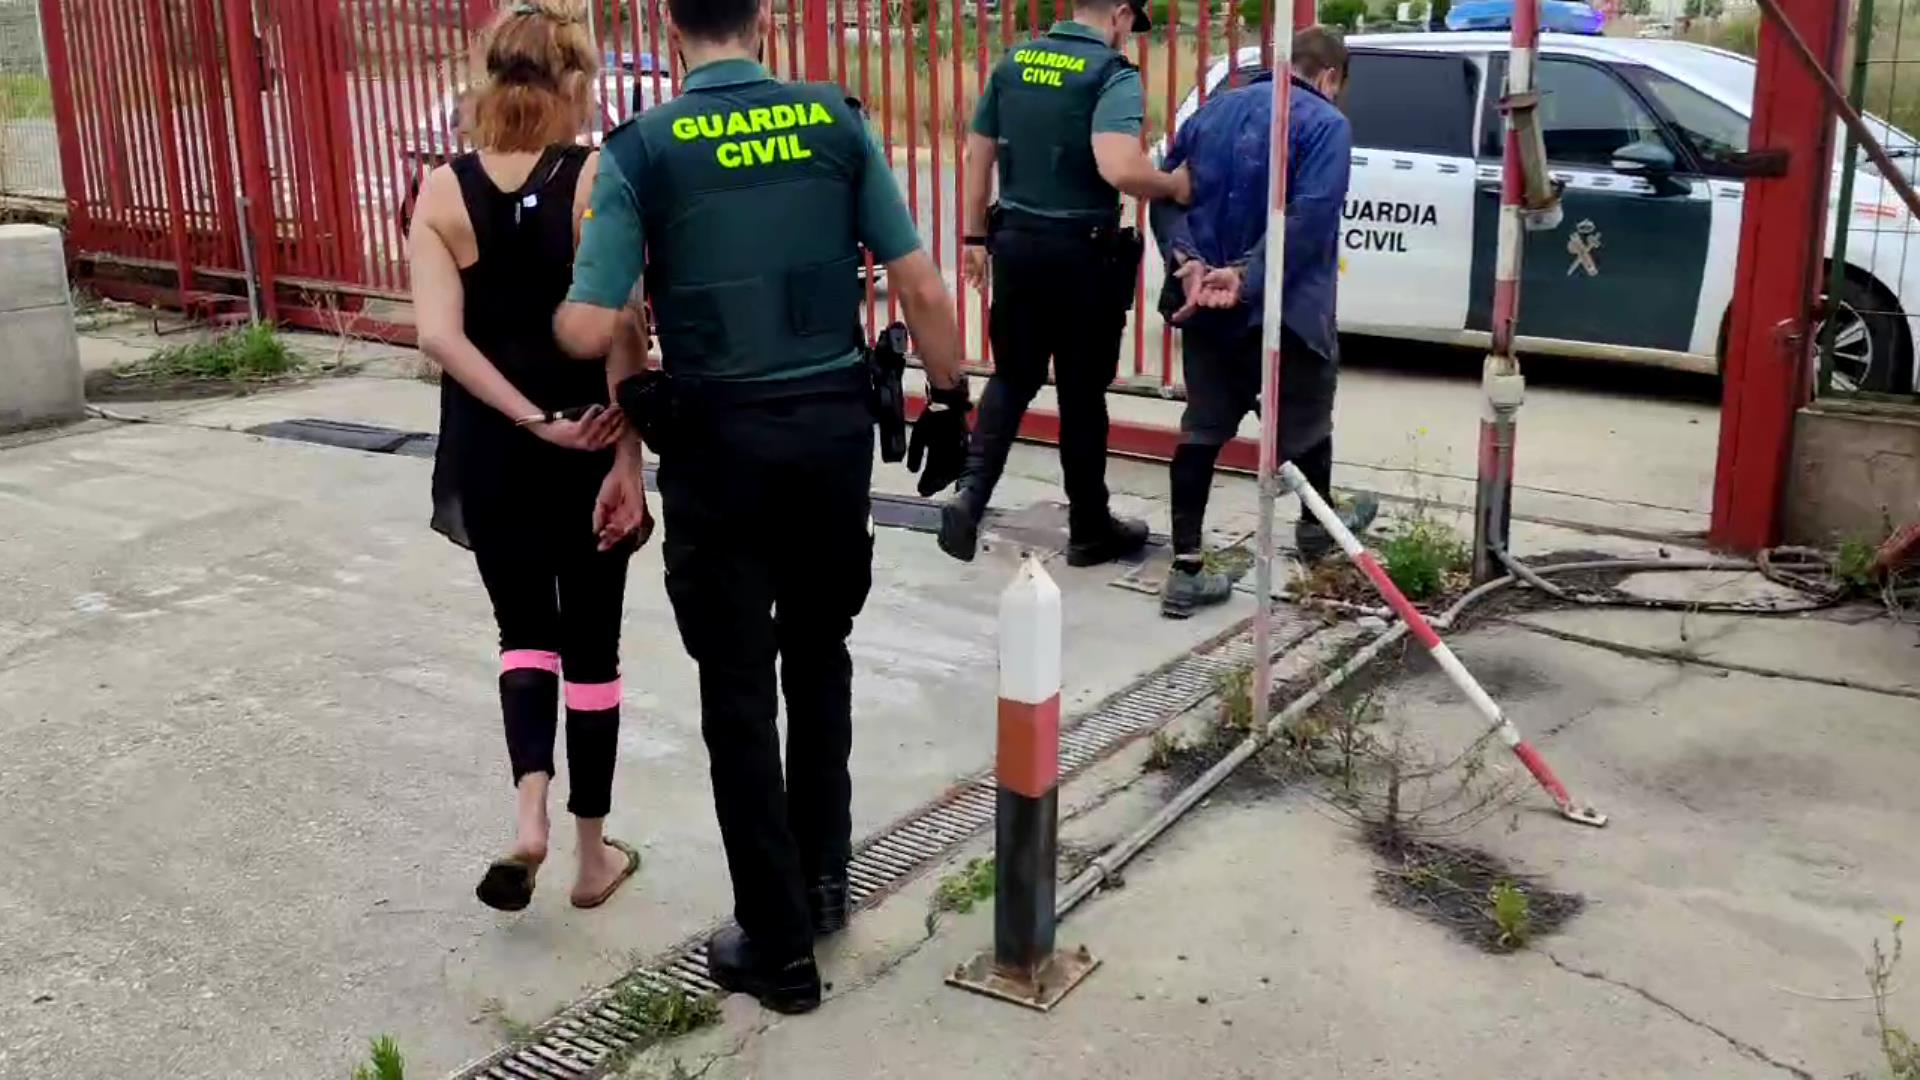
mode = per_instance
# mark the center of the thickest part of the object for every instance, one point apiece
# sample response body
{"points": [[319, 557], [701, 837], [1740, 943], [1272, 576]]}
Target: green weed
{"points": [[665, 1013], [965, 887], [1236, 702], [1420, 555], [1901, 1052], [250, 354], [1161, 750], [1853, 564], [383, 1061], [1512, 914]]}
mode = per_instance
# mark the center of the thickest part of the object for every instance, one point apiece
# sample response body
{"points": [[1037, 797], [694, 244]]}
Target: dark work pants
{"points": [[1223, 386], [769, 553], [557, 600], [1048, 307]]}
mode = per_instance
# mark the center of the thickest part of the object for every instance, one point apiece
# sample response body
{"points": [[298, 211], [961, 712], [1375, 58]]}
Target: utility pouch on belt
{"points": [[886, 362], [647, 400], [1124, 252]]}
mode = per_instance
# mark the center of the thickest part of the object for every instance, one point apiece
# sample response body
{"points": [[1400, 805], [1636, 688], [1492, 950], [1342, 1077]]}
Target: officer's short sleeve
{"points": [[1122, 106], [886, 228], [612, 243], [986, 113]]}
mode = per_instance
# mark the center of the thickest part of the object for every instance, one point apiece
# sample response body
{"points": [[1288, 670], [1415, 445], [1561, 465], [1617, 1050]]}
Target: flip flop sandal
{"points": [[606, 894], [508, 884]]}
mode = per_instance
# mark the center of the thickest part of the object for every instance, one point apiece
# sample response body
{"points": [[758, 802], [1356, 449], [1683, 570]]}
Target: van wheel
{"points": [[1872, 347]]}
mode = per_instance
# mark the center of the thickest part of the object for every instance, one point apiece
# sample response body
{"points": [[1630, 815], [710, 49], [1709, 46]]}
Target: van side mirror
{"points": [[1646, 160]]}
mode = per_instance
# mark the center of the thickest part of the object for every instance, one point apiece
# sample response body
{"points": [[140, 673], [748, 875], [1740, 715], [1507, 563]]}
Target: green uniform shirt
{"points": [[612, 251], [1121, 108]]}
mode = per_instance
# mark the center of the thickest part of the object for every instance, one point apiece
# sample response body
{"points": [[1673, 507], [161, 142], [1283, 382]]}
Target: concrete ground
{"points": [[254, 761], [1761, 839]]}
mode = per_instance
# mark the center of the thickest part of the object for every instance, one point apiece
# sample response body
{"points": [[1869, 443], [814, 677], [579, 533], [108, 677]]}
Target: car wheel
{"points": [[1872, 348]]}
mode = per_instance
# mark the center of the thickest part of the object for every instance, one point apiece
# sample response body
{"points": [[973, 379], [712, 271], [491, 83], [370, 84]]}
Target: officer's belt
{"points": [[698, 393], [1091, 228]]}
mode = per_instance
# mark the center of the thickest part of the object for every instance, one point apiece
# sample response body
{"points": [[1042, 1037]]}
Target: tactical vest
{"points": [[1047, 90], [748, 202]]}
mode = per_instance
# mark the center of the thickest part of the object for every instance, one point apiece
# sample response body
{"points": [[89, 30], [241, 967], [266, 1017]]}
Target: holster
{"points": [[1125, 249], [648, 401], [886, 363]]}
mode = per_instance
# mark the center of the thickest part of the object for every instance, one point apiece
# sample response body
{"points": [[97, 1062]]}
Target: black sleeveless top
{"points": [[494, 483]]}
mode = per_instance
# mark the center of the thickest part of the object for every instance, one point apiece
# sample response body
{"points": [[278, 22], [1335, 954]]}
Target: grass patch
{"points": [[383, 1061], [25, 96], [245, 355], [665, 1013], [961, 891], [1853, 564], [1900, 1051], [1423, 557]]}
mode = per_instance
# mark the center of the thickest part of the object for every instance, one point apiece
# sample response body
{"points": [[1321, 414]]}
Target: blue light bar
{"points": [[1560, 16]]}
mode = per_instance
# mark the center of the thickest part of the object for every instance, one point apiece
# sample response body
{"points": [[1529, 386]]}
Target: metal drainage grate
{"points": [[577, 1044]]}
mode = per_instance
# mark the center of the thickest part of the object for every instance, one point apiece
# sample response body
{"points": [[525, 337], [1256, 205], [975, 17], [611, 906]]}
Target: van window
{"points": [[1586, 113], [1422, 103]]}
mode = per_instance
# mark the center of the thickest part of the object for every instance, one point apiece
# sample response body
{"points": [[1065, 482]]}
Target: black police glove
{"points": [[647, 399], [940, 439]]}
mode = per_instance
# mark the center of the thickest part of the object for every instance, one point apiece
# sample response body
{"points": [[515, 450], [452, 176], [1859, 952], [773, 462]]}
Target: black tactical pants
{"points": [[1223, 386], [1050, 304], [769, 552]]}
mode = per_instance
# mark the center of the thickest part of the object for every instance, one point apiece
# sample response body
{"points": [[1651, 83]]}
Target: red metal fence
{"points": [[206, 141]]}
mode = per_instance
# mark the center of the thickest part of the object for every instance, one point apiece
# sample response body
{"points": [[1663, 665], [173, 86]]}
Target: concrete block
{"points": [[39, 351], [1855, 471]]}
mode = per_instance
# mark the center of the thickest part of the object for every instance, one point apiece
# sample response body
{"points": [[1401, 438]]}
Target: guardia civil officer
{"points": [[1060, 117], [747, 201]]}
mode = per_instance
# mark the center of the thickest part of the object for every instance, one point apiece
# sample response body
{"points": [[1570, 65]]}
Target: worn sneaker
{"points": [[1315, 543], [959, 529], [827, 904], [1120, 538], [786, 985], [1189, 588]]}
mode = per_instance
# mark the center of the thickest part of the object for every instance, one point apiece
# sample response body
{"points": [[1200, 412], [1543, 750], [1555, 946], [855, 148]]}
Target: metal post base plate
{"points": [[1040, 990]]}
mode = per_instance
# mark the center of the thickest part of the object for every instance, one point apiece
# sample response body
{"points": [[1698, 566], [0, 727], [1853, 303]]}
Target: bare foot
{"points": [[600, 866], [530, 821]]}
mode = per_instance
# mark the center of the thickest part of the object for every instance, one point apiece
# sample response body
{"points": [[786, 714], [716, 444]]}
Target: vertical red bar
{"points": [[937, 180], [333, 72], [912, 78], [839, 31], [243, 59], [1204, 39], [406, 176], [1172, 113], [1233, 42], [60, 78], [369, 188], [1142, 46], [1267, 30], [796, 65], [300, 179], [1305, 13], [219, 147], [860, 12], [815, 14], [653, 47], [959, 120], [1776, 278], [158, 61], [982, 67], [886, 116], [177, 46], [109, 214]]}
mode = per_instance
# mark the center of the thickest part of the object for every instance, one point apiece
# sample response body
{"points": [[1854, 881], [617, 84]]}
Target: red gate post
{"points": [[1782, 234], [73, 178], [159, 62], [815, 14], [257, 239], [1305, 13]]}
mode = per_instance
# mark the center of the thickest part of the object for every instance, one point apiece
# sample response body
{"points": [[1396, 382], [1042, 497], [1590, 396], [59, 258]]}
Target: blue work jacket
{"points": [[1226, 147]]}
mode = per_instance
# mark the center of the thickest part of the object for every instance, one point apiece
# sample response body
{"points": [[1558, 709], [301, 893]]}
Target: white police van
{"points": [[1648, 137]]}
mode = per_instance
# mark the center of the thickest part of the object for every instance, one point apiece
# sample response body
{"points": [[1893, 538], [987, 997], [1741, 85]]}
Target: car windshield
{"points": [[1733, 77]]}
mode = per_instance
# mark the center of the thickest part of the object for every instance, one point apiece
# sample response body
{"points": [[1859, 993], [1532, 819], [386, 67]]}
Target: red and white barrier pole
{"points": [[1262, 688], [1023, 966], [1423, 632]]}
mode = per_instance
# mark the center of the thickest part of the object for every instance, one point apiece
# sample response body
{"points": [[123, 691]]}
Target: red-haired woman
{"points": [[527, 435]]}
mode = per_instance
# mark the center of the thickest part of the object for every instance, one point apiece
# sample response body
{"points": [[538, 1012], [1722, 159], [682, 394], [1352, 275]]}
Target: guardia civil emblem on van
{"points": [[1582, 245]]}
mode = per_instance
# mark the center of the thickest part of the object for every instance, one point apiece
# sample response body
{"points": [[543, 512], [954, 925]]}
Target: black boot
{"points": [[827, 904], [788, 985], [1116, 539]]}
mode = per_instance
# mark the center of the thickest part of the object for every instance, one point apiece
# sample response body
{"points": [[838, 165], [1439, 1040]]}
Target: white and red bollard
{"points": [[1023, 966], [1423, 632]]}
